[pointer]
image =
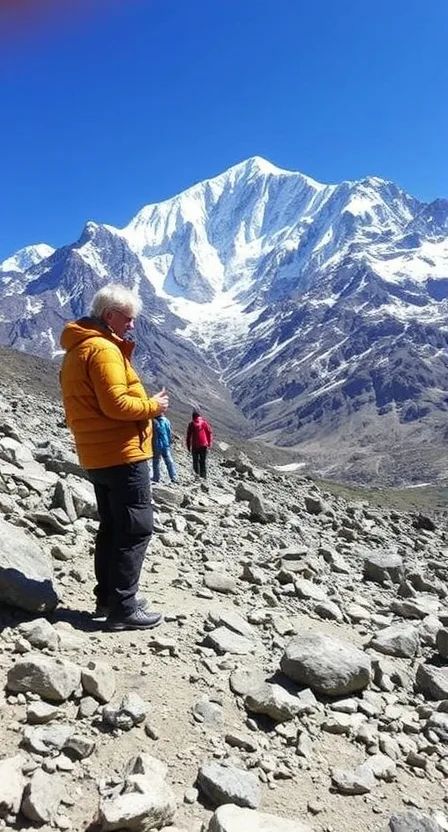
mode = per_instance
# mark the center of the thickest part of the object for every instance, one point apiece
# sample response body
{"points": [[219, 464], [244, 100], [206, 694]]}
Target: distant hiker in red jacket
{"points": [[199, 439]]}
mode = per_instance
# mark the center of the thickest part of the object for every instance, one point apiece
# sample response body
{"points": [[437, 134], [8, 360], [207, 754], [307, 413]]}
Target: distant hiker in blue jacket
{"points": [[162, 438]]}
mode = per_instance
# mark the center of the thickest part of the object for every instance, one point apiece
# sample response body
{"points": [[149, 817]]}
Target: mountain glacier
{"points": [[313, 315]]}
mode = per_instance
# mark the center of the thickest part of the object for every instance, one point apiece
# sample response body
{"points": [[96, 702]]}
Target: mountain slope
{"points": [[321, 310]]}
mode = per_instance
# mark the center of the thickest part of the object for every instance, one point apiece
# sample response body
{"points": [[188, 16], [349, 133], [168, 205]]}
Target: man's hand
{"points": [[162, 400]]}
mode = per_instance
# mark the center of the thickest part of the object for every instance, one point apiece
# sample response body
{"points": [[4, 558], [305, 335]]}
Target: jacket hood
{"points": [[75, 332]]}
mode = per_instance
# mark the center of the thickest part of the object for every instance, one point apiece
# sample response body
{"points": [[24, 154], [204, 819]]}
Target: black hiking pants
{"points": [[123, 495], [199, 461]]}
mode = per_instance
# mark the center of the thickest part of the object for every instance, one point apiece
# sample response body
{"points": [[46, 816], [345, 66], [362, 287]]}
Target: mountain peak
{"points": [[257, 165], [26, 257]]}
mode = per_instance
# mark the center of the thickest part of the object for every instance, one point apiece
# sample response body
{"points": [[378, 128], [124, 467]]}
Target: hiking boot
{"points": [[139, 619], [102, 610]]}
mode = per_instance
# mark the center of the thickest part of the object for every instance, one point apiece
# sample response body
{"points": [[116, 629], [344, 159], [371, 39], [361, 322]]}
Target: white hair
{"points": [[115, 296]]}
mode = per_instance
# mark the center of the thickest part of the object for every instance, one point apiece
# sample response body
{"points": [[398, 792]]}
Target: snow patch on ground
{"points": [[290, 466]]}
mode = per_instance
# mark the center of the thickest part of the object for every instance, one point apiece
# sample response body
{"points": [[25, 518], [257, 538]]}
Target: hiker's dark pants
{"points": [[199, 464], [123, 495]]}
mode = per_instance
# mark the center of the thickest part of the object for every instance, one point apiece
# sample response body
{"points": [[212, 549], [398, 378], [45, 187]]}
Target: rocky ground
{"points": [[299, 681]]}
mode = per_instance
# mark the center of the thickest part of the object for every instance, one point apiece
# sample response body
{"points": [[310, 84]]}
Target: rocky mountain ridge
{"points": [[320, 311], [298, 684]]}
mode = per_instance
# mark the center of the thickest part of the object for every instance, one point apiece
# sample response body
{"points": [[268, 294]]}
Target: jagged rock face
{"points": [[320, 310]]}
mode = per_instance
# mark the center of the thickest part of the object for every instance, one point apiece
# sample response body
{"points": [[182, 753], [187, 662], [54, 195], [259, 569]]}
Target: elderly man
{"points": [[110, 415]]}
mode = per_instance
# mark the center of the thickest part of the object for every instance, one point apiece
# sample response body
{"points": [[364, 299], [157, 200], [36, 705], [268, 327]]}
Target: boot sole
{"points": [[118, 626]]}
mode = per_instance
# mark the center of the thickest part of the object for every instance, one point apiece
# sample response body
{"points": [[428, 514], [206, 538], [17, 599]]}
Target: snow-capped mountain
{"points": [[26, 257], [321, 310]]}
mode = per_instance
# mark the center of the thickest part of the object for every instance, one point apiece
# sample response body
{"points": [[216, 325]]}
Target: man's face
{"points": [[120, 321]]}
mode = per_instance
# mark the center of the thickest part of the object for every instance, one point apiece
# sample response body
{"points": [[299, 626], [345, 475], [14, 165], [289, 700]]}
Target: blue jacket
{"points": [[161, 433]]}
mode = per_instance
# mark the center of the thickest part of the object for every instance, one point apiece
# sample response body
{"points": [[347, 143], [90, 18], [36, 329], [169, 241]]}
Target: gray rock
{"points": [[61, 552], [261, 511], [275, 702], [413, 821], [12, 784], [78, 747], [49, 521], [83, 496], [438, 723], [57, 458], [233, 621], [98, 680], [45, 739], [62, 498], [253, 574], [328, 610], [87, 707], [246, 492], [382, 766], [383, 566], [432, 681], [340, 723], [40, 633], [207, 711], [390, 747], [314, 505], [244, 681], [146, 764], [309, 590], [353, 781], [172, 540], [42, 797], [415, 607], [15, 452], [32, 475], [52, 678], [219, 582], [336, 561], [304, 747], [226, 641], [428, 629], [238, 739], [166, 495], [146, 802], [442, 643], [230, 818], [39, 713], [129, 712], [325, 664], [227, 784], [26, 576], [397, 640]]}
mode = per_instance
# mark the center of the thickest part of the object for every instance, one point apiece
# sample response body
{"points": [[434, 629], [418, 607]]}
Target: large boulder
{"points": [[145, 802], [53, 679], [326, 664], [432, 681], [227, 784], [12, 783], [413, 821], [26, 575], [83, 496], [383, 566], [397, 640], [230, 818], [42, 797], [274, 701]]}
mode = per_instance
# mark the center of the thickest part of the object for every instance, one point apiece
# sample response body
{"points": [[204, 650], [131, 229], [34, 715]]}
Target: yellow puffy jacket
{"points": [[105, 403]]}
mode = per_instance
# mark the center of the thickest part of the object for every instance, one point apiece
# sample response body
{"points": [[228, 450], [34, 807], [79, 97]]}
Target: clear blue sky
{"points": [[126, 102]]}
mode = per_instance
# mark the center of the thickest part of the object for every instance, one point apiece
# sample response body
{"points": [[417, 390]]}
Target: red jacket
{"points": [[199, 434]]}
